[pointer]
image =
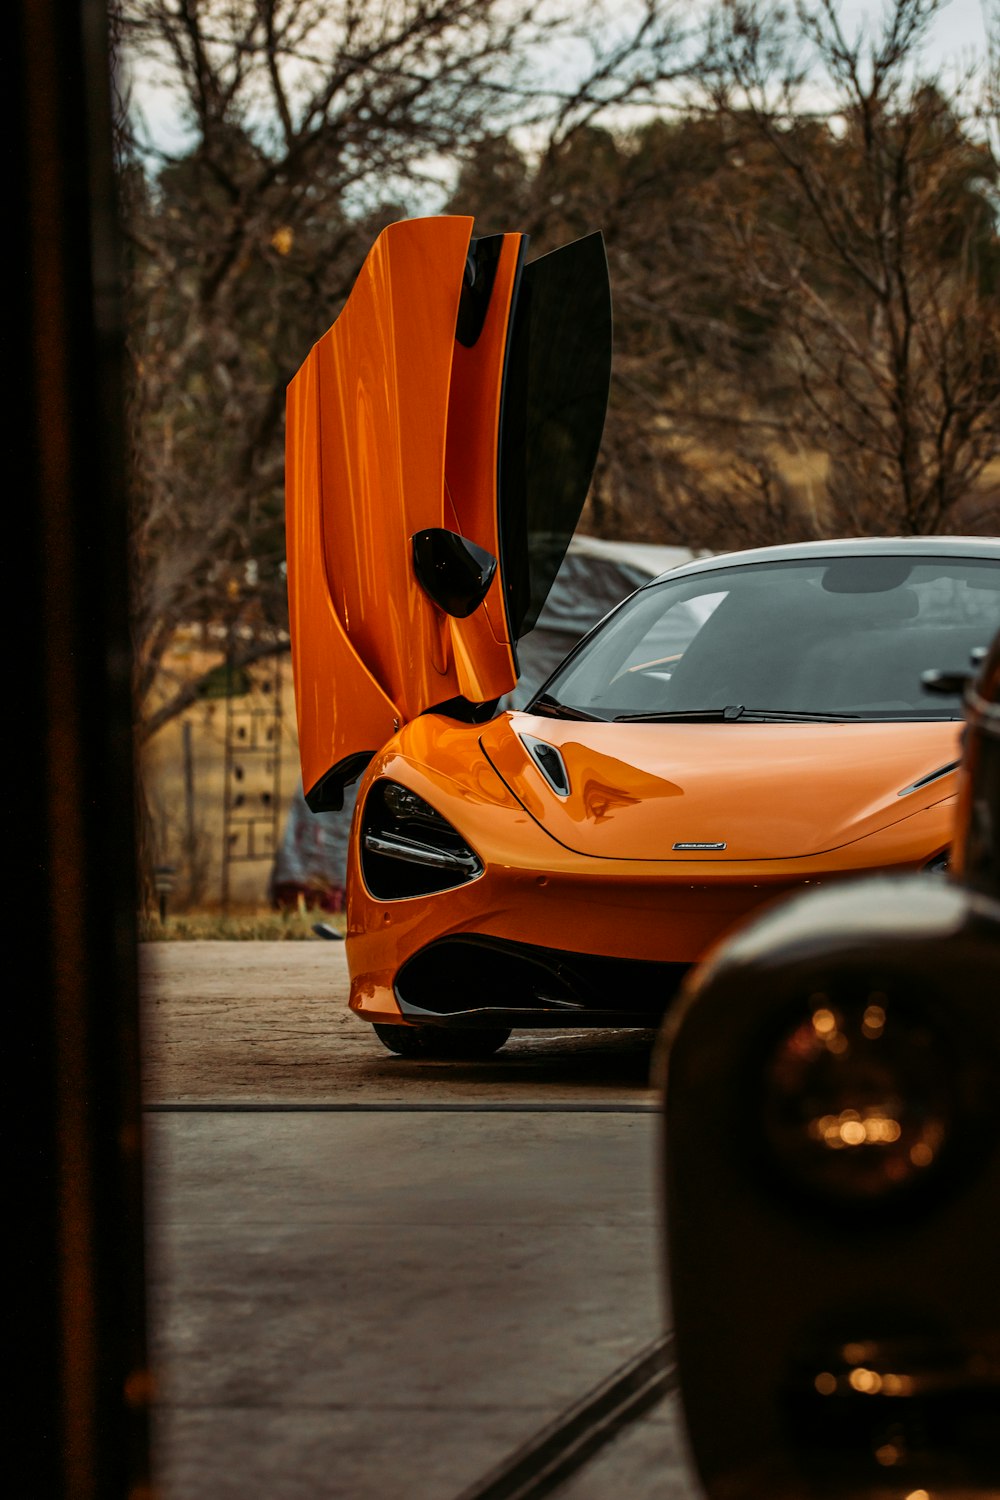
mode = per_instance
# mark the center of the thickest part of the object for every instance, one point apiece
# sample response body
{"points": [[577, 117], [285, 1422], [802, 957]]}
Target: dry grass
{"points": [[270, 926]]}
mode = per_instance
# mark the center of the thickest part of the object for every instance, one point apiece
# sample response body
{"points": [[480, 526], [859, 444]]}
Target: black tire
{"points": [[438, 1044], [471, 1046]]}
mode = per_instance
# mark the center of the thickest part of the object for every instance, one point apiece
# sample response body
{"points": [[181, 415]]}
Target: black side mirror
{"points": [[936, 681], [452, 571]]}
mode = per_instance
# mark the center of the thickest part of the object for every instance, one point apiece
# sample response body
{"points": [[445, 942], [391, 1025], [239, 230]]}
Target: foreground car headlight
{"points": [[407, 847], [858, 1096]]}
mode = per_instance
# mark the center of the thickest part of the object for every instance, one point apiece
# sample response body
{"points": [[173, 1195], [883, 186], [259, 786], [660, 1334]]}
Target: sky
{"points": [[957, 38], [956, 41], [959, 29]]}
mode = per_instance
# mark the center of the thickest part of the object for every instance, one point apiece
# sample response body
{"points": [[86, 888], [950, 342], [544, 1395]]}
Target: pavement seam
{"points": [[485, 1107], [561, 1448]]}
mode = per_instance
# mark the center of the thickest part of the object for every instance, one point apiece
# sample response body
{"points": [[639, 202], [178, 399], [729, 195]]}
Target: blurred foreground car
{"points": [[737, 728], [832, 1179]]}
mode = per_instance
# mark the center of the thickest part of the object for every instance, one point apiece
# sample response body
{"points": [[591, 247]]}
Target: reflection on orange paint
{"points": [[483, 654], [360, 711], [601, 800], [721, 783], [393, 429]]}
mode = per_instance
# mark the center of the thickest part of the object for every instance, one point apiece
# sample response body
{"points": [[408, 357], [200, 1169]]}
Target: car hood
{"points": [[755, 791]]}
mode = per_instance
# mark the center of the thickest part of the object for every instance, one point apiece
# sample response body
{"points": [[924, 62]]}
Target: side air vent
{"points": [[923, 781], [549, 761]]}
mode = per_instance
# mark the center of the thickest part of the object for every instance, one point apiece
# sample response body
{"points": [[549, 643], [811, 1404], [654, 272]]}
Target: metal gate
{"points": [[252, 776]]}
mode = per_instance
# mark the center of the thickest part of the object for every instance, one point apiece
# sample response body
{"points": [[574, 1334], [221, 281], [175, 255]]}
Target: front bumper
{"points": [[475, 980]]}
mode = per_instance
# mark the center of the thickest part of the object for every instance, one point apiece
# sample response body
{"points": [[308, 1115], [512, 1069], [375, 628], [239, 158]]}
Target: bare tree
{"points": [[886, 269], [805, 270], [991, 89], [803, 250]]}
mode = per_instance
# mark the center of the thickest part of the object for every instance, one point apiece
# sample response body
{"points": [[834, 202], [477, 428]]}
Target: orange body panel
{"points": [[767, 791], [655, 906], [484, 662], [359, 712], [392, 429]]}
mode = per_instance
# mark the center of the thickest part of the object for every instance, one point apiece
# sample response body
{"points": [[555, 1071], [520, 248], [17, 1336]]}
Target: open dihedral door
{"points": [[449, 420]]}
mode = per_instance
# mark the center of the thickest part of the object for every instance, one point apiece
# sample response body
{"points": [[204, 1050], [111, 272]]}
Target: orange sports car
{"points": [[738, 728]]}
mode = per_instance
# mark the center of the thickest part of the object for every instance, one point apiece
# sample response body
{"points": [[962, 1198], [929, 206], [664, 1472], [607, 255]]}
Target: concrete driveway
{"points": [[373, 1277]]}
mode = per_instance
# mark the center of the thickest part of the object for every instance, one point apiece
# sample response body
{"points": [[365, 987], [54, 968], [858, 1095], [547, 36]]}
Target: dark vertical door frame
{"points": [[77, 1426]]}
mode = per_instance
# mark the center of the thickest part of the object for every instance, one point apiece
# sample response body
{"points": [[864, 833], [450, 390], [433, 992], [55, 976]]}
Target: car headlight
{"points": [[859, 1095], [407, 847]]}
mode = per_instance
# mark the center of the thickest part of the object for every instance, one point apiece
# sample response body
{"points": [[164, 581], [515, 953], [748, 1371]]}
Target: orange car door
{"points": [[440, 440]]}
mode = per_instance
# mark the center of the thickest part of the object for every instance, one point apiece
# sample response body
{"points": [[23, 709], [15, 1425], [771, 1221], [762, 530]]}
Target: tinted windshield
{"points": [[847, 635]]}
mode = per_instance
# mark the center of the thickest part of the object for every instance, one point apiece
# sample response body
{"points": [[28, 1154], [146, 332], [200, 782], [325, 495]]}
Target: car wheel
{"points": [[467, 1046], [436, 1043]]}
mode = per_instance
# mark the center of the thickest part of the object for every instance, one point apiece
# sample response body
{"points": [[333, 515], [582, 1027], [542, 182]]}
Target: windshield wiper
{"points": [[550, 708], [702, 715], [730, 714], [796, 715]]}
